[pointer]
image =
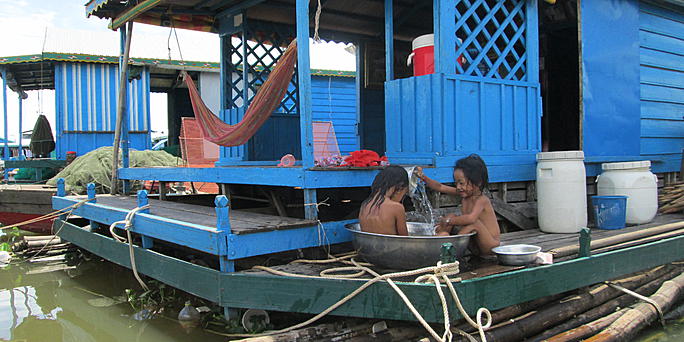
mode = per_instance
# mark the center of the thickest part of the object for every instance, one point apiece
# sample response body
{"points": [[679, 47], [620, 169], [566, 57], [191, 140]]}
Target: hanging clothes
{"points": [[42, 141], [263, 104]]}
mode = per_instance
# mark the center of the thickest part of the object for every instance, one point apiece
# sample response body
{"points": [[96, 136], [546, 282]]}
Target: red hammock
{"points": [[263, 104]]}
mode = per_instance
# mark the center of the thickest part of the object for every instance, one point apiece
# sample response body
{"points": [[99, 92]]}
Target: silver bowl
{"points": [[516, 255], [419, 249]]}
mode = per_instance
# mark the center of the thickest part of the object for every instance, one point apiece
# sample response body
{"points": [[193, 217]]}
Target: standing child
{"points": [[477, 214], [382, 212]]}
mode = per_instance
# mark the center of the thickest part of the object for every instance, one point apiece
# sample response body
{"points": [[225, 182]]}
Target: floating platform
{"points": [[232, 235], [21, 202]]}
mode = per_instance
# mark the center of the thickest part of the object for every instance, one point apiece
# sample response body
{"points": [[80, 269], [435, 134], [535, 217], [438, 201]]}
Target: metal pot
{"points": [[405, 252], [516, 255]]}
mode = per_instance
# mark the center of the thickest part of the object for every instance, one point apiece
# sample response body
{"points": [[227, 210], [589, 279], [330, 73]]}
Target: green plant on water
{"points": [[10, 235], [5, 247], [156, 298]]}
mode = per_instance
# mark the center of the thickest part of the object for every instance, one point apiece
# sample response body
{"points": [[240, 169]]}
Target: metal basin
{"points": [[419, 249], [516, 255]]}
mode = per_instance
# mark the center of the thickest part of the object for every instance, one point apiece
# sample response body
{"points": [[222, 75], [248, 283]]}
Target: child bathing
{"points": [[382, 212], [477, 213]]}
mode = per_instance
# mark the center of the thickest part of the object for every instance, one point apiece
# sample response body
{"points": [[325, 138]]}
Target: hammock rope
{"points": [[266, 100]]}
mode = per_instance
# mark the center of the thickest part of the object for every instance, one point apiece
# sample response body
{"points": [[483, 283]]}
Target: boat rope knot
{"points": [[657, 307], [128, 223]]}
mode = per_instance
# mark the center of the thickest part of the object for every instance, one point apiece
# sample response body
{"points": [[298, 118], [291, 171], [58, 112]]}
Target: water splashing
{"points": [[421, 202]]}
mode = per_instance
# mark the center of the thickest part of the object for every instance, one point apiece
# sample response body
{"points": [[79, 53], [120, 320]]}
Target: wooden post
{"points": [[304, 76], [310, 204], [61, 188], [121, 105], [61, 192], [389, 40], [90, 189], [585, 243], [142, 200], [223, 225], [21, 148], [162, 191], [5, 155], [444, 18]]}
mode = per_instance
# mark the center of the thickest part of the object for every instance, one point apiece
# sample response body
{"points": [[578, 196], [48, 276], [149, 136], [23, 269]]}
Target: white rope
{"points": [[128, 223], [657, 307], [316, 38], [434, 274]]}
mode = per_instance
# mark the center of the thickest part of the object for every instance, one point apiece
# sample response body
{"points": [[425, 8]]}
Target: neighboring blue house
{"points": [[85, 100]]}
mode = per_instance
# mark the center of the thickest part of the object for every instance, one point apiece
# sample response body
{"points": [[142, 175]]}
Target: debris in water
{"points": [[5, 258], [189, 316]]}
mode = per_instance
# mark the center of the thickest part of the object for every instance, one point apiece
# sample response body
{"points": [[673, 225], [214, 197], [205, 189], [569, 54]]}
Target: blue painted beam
{"points": [[6, 153], [21, 148], [389, 40], [186, 234], [304, 77], [445, 36], [247, 245]]}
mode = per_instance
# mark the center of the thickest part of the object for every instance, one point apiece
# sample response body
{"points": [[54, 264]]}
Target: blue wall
{"points": [[333, 99], [661, 41], [436, 119], [610, 78], [86, 105]]}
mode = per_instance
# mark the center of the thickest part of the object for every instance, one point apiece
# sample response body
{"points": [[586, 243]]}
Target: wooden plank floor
{"points": [[475, 268], [241, 222]]}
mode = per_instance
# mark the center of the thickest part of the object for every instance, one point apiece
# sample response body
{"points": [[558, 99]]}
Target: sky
{"points": [[31, 26]]}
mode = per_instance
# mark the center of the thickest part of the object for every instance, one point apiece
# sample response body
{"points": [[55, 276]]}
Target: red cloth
{"points": [[364, 158]]}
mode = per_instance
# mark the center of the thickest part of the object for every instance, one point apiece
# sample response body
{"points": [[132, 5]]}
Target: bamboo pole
{"points": [[565, 331], [589, 329], [642, 314], [551, 315], [612, 240], [121, 109]]}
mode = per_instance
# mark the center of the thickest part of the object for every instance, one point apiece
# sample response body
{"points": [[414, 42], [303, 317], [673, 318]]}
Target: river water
{"points": [[43, 302], [50, 301]]}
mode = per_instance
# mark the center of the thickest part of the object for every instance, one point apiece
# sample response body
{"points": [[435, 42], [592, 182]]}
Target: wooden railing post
{"points": [[142, 200]]}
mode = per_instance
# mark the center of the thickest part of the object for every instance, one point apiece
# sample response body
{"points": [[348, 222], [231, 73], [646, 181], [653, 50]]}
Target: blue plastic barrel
{"points": [[609, 211]]}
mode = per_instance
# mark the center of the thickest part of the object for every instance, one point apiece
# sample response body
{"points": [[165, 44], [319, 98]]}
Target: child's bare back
{"points": [[382, 212], [389, 218]]}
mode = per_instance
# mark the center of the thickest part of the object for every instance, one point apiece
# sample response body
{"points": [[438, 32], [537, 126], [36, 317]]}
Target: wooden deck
{"points": [[241, 222], [477, 267]]}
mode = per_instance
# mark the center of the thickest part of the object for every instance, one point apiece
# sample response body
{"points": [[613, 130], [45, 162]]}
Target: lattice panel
{"points": [[264, 46], [493, 38]]}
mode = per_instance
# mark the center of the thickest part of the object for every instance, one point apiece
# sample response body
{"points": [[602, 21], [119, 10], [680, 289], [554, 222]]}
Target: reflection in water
{"points": [[44, 303]]}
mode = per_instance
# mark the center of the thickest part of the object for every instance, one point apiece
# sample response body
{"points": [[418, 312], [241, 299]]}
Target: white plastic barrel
{"points": [[634, 180], [561, 192]]}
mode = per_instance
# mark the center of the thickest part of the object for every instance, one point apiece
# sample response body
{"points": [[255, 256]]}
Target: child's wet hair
{"points": [[391, 177], [475, 170]]}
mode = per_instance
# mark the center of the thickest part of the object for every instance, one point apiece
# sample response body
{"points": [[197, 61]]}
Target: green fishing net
{"points": [[96, 167]]}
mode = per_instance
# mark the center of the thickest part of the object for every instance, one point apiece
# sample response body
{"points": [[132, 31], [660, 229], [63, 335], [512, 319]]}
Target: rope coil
{"points": [[437, 275]]}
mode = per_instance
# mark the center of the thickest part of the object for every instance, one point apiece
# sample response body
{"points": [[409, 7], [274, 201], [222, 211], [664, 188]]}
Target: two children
{"points": [[383, 212]]}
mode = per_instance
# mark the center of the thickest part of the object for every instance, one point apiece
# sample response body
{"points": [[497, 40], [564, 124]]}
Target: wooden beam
{"points": [[132, 13], [511, 214]]}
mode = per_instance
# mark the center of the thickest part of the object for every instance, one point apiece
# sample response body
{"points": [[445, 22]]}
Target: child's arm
{"points": [[433, 184], [400, 219], [467, 218]]}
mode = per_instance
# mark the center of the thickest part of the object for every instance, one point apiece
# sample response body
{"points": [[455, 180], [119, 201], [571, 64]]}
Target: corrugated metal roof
{"points": [[339, 21]]}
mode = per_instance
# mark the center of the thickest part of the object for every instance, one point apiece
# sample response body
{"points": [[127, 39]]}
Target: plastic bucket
{"points": [[609, 211]]}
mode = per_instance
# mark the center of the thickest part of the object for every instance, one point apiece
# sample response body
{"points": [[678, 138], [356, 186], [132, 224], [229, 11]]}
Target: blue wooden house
{"points": [[604, 77]]}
